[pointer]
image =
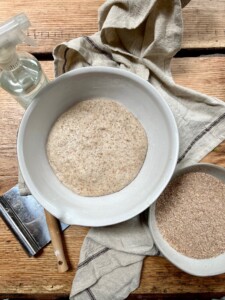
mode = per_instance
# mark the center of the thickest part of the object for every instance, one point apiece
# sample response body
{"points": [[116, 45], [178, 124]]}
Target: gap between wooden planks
{"points": [[205, 74], [53, 23], [32, 276]]}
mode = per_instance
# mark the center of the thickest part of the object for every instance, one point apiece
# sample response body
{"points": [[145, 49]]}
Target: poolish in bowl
{"points": [[140, 98]]}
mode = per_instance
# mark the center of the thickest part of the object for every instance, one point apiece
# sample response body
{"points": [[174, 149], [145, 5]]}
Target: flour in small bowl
{"points": [[190, 215], [97, 147]]}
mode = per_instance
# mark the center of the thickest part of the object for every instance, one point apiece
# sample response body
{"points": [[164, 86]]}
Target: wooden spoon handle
{"points": [[55, 234]]}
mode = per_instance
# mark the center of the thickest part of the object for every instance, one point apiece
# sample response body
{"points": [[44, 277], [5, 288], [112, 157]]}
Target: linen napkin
{"points": [[142, 37]]}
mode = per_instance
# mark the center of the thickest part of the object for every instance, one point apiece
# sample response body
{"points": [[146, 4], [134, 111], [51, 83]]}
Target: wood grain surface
{"points": [[55, 21], [38, 276]]}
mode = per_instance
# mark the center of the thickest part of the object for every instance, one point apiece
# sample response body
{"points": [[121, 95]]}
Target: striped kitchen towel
{"points": [[142, 37]]}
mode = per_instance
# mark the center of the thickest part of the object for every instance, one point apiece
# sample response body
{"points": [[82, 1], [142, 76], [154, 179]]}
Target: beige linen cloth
{"points": [[142, 37]]}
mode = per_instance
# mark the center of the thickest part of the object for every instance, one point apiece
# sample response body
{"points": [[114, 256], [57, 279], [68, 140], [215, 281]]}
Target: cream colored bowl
{"points": [[198, 267], [142, 100]]}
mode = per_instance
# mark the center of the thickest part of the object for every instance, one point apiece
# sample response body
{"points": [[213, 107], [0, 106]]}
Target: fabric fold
{"points": [[141, 37], [111, 260]]}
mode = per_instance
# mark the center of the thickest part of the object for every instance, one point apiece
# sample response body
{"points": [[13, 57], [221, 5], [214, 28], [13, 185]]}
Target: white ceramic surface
{"points": [[142, 100], [197, 267]]}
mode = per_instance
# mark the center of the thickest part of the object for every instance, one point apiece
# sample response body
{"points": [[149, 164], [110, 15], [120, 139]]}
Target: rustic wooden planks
{"points": [[39, 276], [54, 22], [205, 74]]}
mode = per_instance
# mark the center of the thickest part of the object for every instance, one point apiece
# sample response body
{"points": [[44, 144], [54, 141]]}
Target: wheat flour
{"points": [[190, 215]]}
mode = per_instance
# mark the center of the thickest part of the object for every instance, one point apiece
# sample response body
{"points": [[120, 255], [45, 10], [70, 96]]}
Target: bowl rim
{"points": [[192, 266], [109, 70]]}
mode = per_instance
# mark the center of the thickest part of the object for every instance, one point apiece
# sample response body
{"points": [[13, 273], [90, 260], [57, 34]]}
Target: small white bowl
{"points": [[198, 267], [142, 100]]}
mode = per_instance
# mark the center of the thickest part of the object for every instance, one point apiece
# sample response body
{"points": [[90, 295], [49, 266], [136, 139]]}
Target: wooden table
{"points": [[199, 65]]}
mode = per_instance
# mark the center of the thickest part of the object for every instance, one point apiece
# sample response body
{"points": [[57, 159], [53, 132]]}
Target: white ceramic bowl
{"points": [[198, 267], [142, 100]]}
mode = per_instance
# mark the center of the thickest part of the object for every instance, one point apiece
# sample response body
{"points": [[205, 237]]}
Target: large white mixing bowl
{"points": [[142, 99]]}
